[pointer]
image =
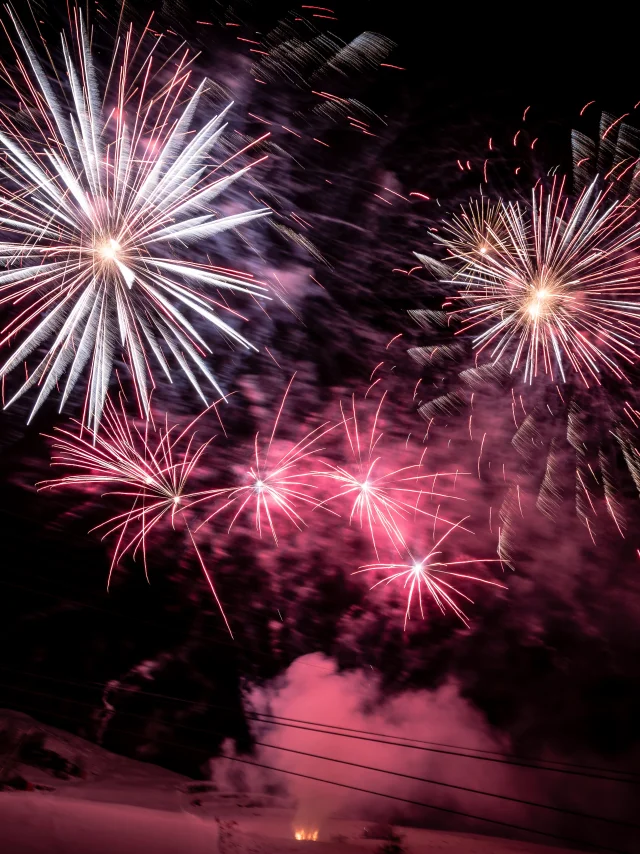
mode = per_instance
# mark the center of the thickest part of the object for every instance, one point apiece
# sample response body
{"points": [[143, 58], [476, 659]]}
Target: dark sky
{"points": [[470, 73]]}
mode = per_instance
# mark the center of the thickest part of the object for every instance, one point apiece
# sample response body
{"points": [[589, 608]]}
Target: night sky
{"points": [[551, 663]]}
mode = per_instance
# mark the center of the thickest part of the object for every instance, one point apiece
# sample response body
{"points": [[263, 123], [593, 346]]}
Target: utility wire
{"points": [[448, 810], [419, 741], [259, 715], [445, 752], [438, 747], [468, 789], [432, 806], [527, 761], [563, 810]]}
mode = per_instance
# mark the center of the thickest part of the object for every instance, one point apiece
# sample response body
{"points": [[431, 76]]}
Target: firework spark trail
{"points": [[281, 486], [378, 500], [427, 573], [475, 231], [96, 204], [560, 287], [557, 293], [150, 468]]}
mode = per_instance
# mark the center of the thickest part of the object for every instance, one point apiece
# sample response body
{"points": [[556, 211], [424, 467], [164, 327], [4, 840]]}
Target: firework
{"points": [[553, 306], [150, 468], [429, 576], [560, 289], [298, 52], [381, 500], [614, 154], [98, 200], [271, 487], [476, 231]]}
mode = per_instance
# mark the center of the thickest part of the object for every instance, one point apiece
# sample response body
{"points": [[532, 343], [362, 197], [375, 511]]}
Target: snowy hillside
{"points": [[78, 797]]}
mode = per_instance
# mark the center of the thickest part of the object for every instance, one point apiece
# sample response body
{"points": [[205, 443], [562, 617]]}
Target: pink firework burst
{"points": [[428, 575], [150, 468], [271, 487], [380, 499]]}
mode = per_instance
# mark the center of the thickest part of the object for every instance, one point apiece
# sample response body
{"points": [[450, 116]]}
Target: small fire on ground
{"points": [[304, 835]]}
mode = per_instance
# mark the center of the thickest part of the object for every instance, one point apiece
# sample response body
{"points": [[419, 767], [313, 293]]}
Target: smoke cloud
{"points": [[313, 690]]}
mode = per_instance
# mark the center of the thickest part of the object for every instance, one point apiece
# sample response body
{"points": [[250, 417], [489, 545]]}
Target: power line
{"points": [[529, 762], [449, 810], [466, 755], [563, 810], [468, 789], [443, 744], [431, 806], [277, 720], [508, 758]]}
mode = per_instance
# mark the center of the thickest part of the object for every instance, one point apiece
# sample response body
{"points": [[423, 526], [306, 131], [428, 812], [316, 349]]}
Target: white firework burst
{"points": [[560, 289], [99, 199]]}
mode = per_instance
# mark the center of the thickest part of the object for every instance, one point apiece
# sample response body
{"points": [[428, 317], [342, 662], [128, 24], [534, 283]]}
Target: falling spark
{"points": [[484, 436]]}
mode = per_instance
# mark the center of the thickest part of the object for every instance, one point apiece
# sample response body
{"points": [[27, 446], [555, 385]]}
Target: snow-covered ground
{"points": [[268, 831], [35, 823], [128, 807]]}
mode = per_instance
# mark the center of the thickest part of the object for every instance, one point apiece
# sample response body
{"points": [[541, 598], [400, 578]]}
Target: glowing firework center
{"points": [[540, 302], [109, 250]]}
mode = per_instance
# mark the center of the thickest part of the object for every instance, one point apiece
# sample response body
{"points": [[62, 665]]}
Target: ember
{"points": [[306, 835]]}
